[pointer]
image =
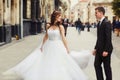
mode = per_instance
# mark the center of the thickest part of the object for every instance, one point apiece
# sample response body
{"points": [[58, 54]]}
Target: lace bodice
{"points": [[54, 34]]}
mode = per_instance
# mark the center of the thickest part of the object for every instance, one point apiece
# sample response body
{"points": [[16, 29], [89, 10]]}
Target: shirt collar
{"points": [[102, 19]]}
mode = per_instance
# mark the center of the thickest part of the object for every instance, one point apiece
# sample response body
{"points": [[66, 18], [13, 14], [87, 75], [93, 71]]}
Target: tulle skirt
{"points": [[53, 63]]}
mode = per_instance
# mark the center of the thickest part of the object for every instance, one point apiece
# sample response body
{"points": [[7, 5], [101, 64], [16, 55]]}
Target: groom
{"points": [[103, 47]]}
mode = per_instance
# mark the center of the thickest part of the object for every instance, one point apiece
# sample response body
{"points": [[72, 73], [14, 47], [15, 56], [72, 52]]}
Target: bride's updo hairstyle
{"points": [[54, 15]]}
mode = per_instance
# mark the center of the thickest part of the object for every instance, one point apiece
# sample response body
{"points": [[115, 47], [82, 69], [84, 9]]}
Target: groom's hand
{"points": [[105, 54], [94, 52]]}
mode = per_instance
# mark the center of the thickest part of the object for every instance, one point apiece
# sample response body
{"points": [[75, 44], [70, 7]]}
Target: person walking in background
{"points": [[88, 26], [113, 24], [78, 25], [65, 23], [117, 26], [103, 47]]}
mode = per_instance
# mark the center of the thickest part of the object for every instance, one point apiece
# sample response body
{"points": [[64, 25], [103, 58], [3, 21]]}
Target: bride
{"points": [[52, 60]]}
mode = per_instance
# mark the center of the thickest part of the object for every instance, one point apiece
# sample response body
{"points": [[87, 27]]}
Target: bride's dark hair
{"points": [[53, 17]]}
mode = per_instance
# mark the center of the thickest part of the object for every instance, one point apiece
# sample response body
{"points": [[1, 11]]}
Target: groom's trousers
{"points": [[99, 59]]}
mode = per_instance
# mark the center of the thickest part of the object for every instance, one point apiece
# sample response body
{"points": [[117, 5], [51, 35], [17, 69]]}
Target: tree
{"points": [[116, 7]]}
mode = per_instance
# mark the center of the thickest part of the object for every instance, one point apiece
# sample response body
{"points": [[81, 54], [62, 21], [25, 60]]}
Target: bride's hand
{"points": [[94, 52], [68, 51], [41, 49]]}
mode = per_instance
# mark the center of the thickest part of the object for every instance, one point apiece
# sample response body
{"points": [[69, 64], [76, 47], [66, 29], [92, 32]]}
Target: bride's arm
{"points": [[44, 38], [62, 31]]}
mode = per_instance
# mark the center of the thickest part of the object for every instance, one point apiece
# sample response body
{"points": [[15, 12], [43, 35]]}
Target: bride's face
{"points": [[58, 18]]}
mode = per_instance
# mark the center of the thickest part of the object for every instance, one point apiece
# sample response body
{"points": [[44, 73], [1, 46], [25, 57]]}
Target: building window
{"points": [[8, 3], [28, 11], [24, 8]]}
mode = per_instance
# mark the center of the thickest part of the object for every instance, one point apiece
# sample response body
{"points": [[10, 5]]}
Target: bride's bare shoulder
{"points": [[47, 25], [61, 27]]}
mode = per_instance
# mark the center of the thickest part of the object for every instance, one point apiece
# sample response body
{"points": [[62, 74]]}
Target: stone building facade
{"points": [[85, 10], [20, 18], [9, 19], [108, 9]]}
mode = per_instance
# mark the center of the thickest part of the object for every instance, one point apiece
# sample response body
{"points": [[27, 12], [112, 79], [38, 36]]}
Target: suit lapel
{"points": [[102, 22]]}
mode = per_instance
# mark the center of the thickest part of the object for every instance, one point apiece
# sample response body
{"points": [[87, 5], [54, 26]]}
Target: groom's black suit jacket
{"points": [[104, 42]]}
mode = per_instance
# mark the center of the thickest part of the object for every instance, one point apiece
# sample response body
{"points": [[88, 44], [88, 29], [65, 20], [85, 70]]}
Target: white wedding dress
{"points": [[53, 63]]}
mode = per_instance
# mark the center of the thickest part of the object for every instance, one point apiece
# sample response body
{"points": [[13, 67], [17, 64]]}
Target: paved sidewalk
{"points": [[14, 52], [11, 54]]}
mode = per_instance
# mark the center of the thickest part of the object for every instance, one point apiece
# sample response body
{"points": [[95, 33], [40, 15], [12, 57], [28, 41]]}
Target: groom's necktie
{"points": [[98, 24]]}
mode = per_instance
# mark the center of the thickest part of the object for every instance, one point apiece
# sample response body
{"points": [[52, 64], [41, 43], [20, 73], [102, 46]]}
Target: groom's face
{"points": [[98, 14]]}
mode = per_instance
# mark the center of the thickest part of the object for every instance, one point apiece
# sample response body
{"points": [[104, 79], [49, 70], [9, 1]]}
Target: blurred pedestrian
{"points": [[78, 25], [117, 26], [65, 23], [88, 27]]}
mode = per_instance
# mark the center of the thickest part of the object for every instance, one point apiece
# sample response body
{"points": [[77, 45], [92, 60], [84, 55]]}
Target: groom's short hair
{"points": [[100, 9]]}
